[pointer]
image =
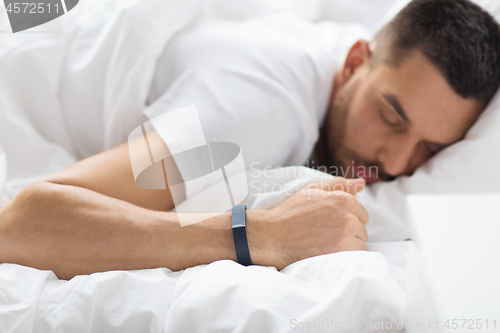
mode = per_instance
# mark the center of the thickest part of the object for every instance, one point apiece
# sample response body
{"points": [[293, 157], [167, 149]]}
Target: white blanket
{"points": [[355, 290], [94, 64]]}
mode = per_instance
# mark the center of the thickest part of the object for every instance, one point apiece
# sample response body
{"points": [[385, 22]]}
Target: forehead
{"points": [[436, 112]]}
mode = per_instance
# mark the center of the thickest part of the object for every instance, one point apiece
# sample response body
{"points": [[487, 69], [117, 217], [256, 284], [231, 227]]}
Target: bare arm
{"points": [[110, 173], [93, 217]]}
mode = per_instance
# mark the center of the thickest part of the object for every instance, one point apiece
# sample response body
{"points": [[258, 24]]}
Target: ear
{"points": [[358, 55]]}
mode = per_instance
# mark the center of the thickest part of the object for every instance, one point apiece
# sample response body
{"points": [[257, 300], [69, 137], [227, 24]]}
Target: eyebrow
{"points": [[394, 102]]}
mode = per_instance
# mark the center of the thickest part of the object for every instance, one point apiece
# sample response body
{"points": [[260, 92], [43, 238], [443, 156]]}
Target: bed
{"points": [[340, 291]]}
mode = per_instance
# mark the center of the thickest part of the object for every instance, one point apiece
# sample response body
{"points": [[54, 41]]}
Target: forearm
{"points": [[72, 230]]}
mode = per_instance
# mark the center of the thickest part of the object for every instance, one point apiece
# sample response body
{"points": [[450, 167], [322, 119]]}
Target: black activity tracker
{"points": [[240, 235]]}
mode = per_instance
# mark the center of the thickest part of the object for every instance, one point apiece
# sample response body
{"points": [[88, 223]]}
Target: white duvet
{"points": [[347, 290], [353, 290]]}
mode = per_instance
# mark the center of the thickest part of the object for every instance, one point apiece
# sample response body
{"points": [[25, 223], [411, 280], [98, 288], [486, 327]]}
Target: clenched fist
{"points": [[320, 218]]}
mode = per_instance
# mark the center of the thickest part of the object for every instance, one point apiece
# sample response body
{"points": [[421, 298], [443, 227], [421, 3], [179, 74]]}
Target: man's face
{"points": [[394, 119]]}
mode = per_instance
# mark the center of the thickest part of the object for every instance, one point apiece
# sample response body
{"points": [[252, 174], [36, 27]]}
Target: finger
{"points": [[361, 212], [351, 204], [356, 185], [358, 245], [361, 232], [351, 186]]}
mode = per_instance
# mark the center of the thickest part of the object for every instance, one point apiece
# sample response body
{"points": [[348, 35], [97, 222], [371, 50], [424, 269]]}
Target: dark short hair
{"points": [[460, 38]]}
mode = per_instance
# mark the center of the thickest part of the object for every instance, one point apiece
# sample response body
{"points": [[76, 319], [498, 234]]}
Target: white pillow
{"points": [[468, 166], [311, 10], [365, 13]]}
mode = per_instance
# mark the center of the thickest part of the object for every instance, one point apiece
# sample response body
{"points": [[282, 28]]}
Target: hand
{"points": [[319, 219]]}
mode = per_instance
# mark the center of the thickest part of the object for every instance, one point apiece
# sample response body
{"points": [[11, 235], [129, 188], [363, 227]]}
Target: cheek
{"points": [[364, 132], [417, 160]]}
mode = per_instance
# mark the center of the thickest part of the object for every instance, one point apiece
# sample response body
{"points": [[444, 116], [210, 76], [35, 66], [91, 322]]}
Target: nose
{"points": [[396, 154]]}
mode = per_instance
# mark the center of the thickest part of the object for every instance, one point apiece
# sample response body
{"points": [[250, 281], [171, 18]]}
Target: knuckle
{"points": [[341, 196], [344, 242], [344, 219], [310, 192], [351, 223], [337, 183], [345, 200]]}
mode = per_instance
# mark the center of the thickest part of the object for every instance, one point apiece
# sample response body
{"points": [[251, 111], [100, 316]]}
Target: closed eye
{"points": [[435, 148], [389, 120]]}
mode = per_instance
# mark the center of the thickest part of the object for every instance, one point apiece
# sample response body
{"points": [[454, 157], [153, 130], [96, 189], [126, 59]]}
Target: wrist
{"points": [[263, 241]]}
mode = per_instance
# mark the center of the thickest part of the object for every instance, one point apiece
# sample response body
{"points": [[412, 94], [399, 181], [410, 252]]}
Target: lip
{"points": [[361, 169]]}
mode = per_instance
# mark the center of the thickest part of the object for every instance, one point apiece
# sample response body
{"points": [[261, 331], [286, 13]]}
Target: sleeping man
{"points": [[284, 92]]}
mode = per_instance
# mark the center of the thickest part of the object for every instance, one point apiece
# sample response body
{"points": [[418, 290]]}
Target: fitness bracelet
{"points": [[240, 235]]}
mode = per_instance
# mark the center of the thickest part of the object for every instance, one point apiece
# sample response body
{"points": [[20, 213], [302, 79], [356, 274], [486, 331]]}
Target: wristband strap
{"points": [[240, 235]]}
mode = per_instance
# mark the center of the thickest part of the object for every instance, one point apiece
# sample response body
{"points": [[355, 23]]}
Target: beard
{"points": [[336, 124], [337, 155]]}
